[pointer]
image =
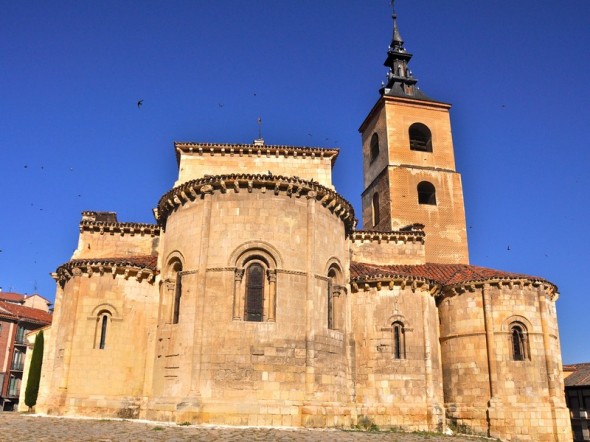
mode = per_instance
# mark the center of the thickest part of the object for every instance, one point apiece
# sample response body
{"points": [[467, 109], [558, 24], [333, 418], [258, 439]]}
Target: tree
{"points": [[34, 372]]}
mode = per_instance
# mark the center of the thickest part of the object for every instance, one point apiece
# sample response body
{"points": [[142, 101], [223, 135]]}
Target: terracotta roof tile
{"points": [[142, 261], [445, 274], [12, 297], [580, 377], [19, 312]]}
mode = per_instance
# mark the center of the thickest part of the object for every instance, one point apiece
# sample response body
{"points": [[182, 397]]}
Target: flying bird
{"points": [[139, 103]]}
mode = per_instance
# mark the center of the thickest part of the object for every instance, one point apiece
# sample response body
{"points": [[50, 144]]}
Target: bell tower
{"points": [[409, 163]]}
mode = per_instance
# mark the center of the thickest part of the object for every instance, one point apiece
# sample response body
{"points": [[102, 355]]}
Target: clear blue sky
{"points": [[73, 139]]}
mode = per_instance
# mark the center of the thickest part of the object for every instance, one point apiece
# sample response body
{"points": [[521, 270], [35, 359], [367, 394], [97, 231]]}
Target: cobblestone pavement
{"points": [[21, 427]]}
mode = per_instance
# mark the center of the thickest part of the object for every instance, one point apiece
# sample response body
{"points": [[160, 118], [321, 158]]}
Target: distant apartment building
{"points": [[577, 394], [19, 314]]}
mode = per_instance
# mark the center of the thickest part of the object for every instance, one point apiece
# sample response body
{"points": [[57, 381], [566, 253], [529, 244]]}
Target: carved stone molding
{"points": [[291, 187]]}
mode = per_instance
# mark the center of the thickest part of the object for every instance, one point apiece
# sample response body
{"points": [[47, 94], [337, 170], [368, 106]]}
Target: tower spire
{"points": [[396, 40], [400, 81]]}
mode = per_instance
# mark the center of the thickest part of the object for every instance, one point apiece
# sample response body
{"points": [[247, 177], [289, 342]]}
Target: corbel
{"points": [[206, 189]]}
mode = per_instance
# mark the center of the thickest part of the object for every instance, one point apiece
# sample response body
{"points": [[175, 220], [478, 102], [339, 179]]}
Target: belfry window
{"points": [[399, 340], [518, 337], [254, 305], [374, 147], [420, 138], [375, 209], [426, 193]]}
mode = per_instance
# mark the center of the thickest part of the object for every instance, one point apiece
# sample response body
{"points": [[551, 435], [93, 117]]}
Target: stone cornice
{"points": [[140, 268], [273, 184], [254, 150], [132, 229], [511, 283], [389, 282], [407, 236]]}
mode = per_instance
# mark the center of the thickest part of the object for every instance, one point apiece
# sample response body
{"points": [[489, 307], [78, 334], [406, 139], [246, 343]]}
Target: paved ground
{"points": [[21, 427]]}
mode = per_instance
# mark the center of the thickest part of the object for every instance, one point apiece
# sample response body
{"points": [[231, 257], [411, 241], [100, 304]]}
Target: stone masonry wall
{"points": [[486, 389], [216, 366], [83, 378], [398, 392]]}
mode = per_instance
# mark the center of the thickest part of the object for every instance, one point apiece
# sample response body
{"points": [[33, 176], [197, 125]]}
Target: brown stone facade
{"points": [[153, 321], [254, 300]]}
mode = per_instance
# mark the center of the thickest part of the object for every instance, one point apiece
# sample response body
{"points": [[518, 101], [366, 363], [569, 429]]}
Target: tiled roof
{"points": [[9, 310], [143, 267], [580, 377], [444, 274], [12, 297], [142, 261]]}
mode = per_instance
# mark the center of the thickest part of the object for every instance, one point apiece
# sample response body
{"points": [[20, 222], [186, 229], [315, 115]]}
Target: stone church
{"points": [[254, 300]]}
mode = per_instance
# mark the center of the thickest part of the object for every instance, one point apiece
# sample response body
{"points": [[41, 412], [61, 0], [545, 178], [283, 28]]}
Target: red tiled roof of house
{"points": [[444, 274], [12, 297], [13, 311], [580, 376]]}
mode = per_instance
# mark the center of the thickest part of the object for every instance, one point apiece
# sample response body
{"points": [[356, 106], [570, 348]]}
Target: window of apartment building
{"points": [[20, 334]]}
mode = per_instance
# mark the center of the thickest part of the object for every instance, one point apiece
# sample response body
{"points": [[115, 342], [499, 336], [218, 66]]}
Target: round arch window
{"points": [[426, 193], [420, 138]]}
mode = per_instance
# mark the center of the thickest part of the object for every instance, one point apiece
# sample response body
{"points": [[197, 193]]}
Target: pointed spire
{"points": [[400, 81], [396, 40]]}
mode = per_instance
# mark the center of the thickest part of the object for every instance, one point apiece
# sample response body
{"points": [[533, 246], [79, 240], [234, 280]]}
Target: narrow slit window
{"points": [[177, 297], [399, 345], [374, 147], [103, 331]]}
